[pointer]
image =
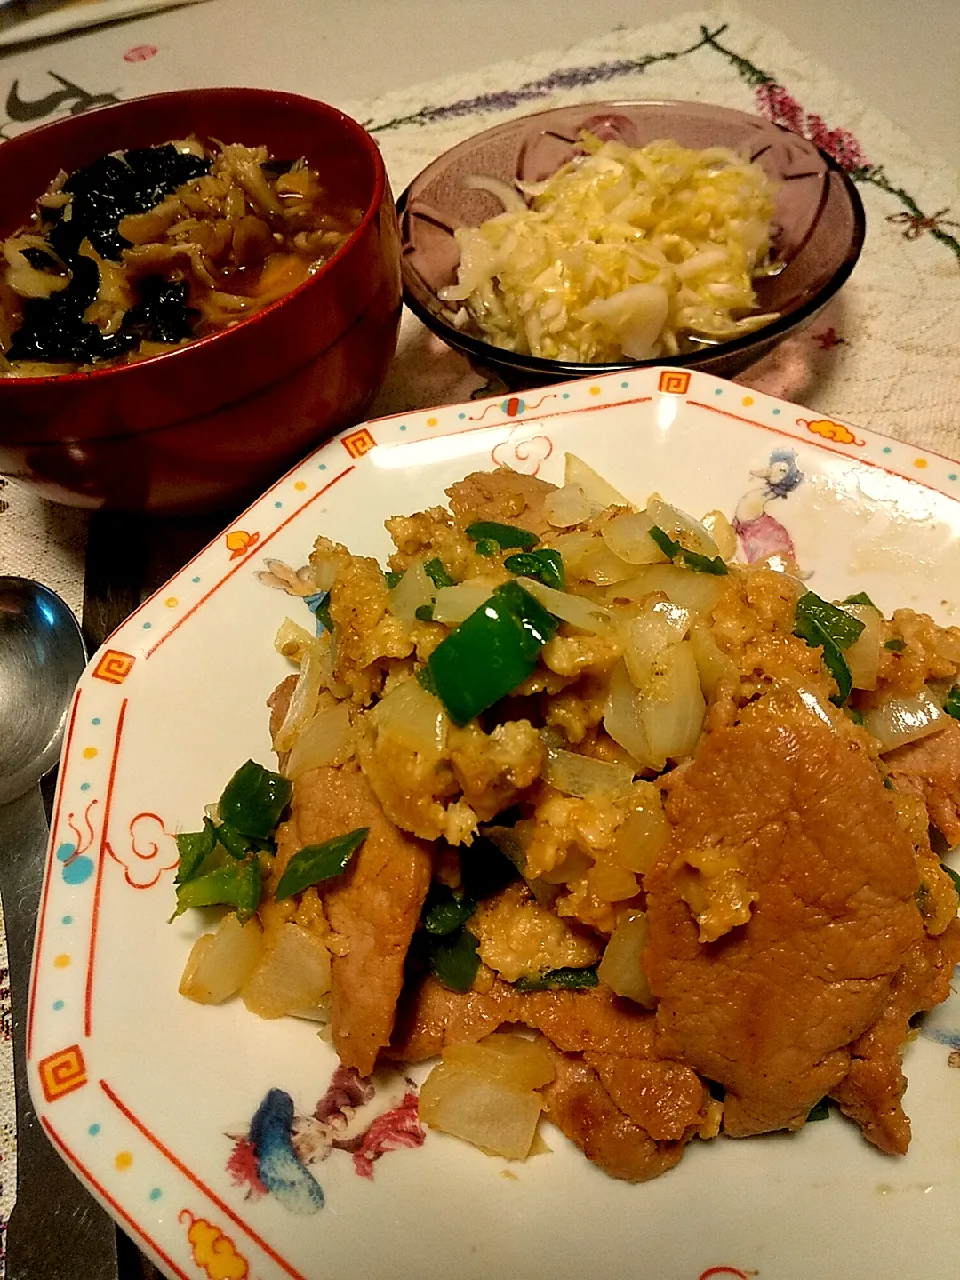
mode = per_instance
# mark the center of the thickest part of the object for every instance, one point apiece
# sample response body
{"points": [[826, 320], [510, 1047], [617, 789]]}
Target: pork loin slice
{"points": [[772, 1008], [622, 1086], [431, 1017], [930, 769], [871, 1090], [580, 1107], [506, 497], [373, 907]]}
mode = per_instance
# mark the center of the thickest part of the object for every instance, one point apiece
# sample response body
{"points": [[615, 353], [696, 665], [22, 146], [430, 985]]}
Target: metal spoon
{"points": [[56, 1226]]}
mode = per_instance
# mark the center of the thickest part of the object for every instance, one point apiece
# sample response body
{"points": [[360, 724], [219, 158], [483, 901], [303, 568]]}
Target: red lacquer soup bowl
{"points": [[208, 424]]}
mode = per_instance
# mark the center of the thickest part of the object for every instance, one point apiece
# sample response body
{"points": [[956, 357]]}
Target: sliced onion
{"points": [[621, 967], [576, 471], [599, 564], [577, 775], [655, 628], [573, 547], [303, 701], [722, 532], [673, 711], [453, 604], [568, 506], [863, 656], [697, 592], [413, 718], [621, 716], [293, 641], [412, 591], [904, 719], [713, 664], [644, 831], [577, 610], [676, 522], [628, 536], [327, 739]]}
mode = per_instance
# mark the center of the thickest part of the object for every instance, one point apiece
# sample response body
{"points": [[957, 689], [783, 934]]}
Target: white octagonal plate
{"points": [[150, 1098]]}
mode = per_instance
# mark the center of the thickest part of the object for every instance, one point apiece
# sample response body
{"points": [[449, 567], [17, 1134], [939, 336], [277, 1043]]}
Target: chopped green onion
{"points": [[487, 547], [391, 577], [194, 847], [822, 1110], [546, 565], [235, 842], [888, 783], [504, 535], [424, 612], [445, 911], [490, 653], [236, 885], [951, 704], [855, 716], [954, 876], [437, 573], [254, 799], [316, 862], [860, 598], [559, 980], [822, 625], [895, 645], [454, 960], [691, 559], [485, 869], [426, 681]]}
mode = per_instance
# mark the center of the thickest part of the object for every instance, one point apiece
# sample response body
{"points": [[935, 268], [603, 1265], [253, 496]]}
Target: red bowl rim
{"points": [[223, 92]]}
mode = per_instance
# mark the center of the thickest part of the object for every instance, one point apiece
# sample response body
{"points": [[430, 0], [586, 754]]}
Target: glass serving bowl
{"points": [[818, 222]]}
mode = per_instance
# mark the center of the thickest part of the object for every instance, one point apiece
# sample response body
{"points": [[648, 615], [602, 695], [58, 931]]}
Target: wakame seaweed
{"points": [[53, 330]]}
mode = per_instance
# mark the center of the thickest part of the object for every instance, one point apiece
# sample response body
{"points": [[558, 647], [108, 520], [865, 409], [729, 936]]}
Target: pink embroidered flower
{"points": [[775, 104], [778, 106], [840, 144]]}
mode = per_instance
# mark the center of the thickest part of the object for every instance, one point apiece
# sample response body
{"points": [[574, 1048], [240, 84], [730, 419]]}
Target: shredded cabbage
{"points": [[623, 252]]}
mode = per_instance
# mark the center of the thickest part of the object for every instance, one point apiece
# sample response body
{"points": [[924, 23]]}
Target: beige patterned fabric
{"points": [[880, 357]]}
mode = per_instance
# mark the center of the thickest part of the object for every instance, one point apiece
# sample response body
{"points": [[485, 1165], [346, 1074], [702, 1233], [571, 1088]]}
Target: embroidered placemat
{"points": [[881, 356], [876, 358]]}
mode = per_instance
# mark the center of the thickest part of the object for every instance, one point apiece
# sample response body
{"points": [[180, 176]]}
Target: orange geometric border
{"points": [[62, 1073], [675, 382], [358, 442], [114, 666]]}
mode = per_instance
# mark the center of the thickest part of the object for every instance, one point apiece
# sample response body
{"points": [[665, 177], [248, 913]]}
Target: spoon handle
{"points": [[57, 1230]]}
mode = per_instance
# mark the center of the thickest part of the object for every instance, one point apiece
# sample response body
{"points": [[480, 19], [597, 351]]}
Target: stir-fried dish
{"points": [[623, 253], [624, 833], [147, 249]]}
